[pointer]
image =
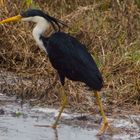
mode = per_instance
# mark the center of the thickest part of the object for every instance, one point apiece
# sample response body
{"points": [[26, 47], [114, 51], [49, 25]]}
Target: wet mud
{"points": [[18, 122]]}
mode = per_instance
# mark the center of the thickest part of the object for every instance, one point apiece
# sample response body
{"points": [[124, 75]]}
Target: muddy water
{"points": [[18, 123]]}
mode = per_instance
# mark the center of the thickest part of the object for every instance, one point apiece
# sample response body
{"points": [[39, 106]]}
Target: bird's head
{"points": [[35, 15]]}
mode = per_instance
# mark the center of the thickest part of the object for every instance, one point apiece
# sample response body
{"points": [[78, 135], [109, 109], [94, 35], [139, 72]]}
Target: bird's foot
{"points": [[104, 127], [54, 126]]}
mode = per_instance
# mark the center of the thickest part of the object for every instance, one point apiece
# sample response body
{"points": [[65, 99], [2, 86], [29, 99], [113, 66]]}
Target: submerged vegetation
{"points": [[109, 28]]}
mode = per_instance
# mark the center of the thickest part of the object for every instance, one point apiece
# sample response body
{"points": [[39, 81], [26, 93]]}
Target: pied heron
{"points": [[67, 55]]}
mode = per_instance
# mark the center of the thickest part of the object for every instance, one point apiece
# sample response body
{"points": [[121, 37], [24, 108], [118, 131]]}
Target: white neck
{"points": [[41, 26]]}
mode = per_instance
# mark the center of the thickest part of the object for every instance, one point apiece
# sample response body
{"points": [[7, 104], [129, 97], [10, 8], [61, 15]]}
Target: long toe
{"points": [[54, 126], [39, 125]]}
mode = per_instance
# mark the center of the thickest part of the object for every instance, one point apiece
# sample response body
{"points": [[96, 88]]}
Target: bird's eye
{"points": [[24, 14]]}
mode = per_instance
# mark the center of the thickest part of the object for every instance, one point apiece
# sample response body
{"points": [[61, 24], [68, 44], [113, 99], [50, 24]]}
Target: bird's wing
{"points": [[70, 52], [69, 56]]}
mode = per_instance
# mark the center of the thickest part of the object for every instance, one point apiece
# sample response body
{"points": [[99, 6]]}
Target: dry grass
{"points": [[111, 31]]}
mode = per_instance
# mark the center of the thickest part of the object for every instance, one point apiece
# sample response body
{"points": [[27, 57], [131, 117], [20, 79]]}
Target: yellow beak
{"points": [[15, 18]]}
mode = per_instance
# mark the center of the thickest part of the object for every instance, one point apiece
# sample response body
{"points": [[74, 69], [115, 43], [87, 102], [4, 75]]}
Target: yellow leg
{"points": [[105, 123], [64, 102], [1, 2]]}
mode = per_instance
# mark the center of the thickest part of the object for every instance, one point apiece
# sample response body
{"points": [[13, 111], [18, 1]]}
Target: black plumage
{"points": [[72, 60], [67, 55]]}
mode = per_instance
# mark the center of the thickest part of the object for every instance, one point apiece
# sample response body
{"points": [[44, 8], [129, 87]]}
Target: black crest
{"points": [[56, 23]]}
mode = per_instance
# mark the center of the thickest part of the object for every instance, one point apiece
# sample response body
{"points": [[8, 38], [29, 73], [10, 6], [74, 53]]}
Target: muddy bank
{"points": [[18, 122]]}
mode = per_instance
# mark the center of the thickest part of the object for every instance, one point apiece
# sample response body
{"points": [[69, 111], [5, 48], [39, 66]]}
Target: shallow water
{"points": [[18, 123]]}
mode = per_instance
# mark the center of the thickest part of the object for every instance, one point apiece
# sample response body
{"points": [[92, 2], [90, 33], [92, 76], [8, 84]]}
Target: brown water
{"points": [[18, 123]]}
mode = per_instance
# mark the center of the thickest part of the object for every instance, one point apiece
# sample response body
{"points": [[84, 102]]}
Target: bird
{"points": [[67, 55]]}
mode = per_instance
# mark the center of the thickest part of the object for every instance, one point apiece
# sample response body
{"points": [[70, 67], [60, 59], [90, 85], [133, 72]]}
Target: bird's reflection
{"points": [[55, 134]]}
